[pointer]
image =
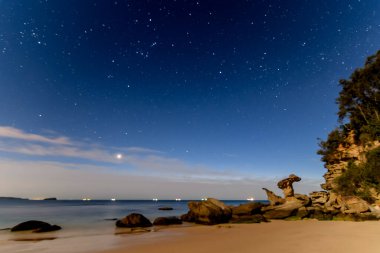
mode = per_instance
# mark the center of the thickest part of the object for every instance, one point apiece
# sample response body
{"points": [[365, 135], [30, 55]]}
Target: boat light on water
{"points": [[251, 199], [155, 199], [113, 199], [177, 199], [86, 199]]}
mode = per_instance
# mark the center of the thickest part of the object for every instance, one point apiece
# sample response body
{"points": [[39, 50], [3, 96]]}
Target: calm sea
{"points": [[78, 213], [87, 225]]}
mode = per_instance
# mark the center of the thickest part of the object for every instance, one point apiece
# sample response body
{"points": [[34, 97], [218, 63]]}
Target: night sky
{"points": [[221, 96]]}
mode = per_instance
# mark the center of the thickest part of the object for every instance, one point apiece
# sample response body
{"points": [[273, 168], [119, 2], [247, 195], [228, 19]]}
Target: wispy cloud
{"points": [[137, 167], [14, 133]]}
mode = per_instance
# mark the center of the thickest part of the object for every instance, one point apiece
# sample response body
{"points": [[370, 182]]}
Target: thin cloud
{"points": [[14, 133]]}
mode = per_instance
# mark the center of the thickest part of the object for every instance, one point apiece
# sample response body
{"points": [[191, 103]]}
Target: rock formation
{"points": [[273, 198], [134, 220], [286, 185], [209, 212], [165, 221]]}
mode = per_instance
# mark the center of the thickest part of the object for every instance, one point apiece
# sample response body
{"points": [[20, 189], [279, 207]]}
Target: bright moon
{"points": [[119, 156]]}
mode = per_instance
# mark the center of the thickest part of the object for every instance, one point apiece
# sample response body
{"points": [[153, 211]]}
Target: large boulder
{"points": [[165, 221], [247, 209], [285, 210], [134, 220], [209, 212], [353, 204], [35, 226]]}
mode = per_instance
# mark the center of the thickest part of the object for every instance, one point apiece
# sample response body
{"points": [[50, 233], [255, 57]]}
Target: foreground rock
{"points": [[35, 226], [289, 208], [247, 209], [134, 220], [209, 212], [165, 221]]}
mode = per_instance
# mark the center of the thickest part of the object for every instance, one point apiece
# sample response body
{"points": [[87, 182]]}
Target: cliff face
{"points": [[343, 154]]}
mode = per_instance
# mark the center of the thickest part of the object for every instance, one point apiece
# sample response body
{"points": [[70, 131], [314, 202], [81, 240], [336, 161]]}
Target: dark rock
{"points": [[209, 212], [256, 218], [247, 209], [134, 220], [302, 212], [164, 221], [111, 219], [50, 199], [165, 208], [35, 226], [48, 229]]}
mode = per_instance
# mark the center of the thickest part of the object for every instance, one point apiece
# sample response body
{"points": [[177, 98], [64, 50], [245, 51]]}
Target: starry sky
{"points": [[139, 98]]}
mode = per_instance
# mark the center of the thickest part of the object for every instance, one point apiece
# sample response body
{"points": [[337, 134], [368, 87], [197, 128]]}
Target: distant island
{"points": [[12, 198]]}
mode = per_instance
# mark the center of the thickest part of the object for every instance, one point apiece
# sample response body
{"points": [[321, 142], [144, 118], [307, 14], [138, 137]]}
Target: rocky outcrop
{"points": [[281, 208], [349, 151], [165, 221], [134, 220], [255, 218], [247, 209], [273, 198], [286, 185], [209, 212], [35, 226], [289, 208], [353, 204]]}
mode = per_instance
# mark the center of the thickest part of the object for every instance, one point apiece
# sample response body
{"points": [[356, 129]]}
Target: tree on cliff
{"points": [[359, 117], [359, 100]]}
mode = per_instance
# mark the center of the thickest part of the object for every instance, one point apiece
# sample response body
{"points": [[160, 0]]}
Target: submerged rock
{"points": [[165, 221], [35, 226], [165, 208], [209, 212], [134, 220]]}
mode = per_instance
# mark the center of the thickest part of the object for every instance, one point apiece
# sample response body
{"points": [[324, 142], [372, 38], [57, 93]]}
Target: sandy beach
{"points": [[277, 236]]}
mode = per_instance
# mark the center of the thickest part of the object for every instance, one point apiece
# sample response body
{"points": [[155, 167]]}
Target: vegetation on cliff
{"points": [[359, 118]]}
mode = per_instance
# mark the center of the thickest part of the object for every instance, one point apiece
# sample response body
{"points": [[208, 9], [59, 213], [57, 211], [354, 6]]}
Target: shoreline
{"points": [[310, 236]]}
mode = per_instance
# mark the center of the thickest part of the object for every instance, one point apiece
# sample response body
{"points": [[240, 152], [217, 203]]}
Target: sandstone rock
{"points": [[165, 221], [353, 204], [302, 212], [247, 209], [304, 199], [134, 220], [286, 185], [319, 198], [209, 212], [285, 210], [256, 218], [273, 198], [35, 226]]}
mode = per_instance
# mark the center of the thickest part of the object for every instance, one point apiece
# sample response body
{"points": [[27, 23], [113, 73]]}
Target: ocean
{"points": [[90, 225]]}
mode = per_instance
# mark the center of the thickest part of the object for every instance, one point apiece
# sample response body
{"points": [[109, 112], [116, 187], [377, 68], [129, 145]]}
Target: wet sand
{"points": [[309, 236]]}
